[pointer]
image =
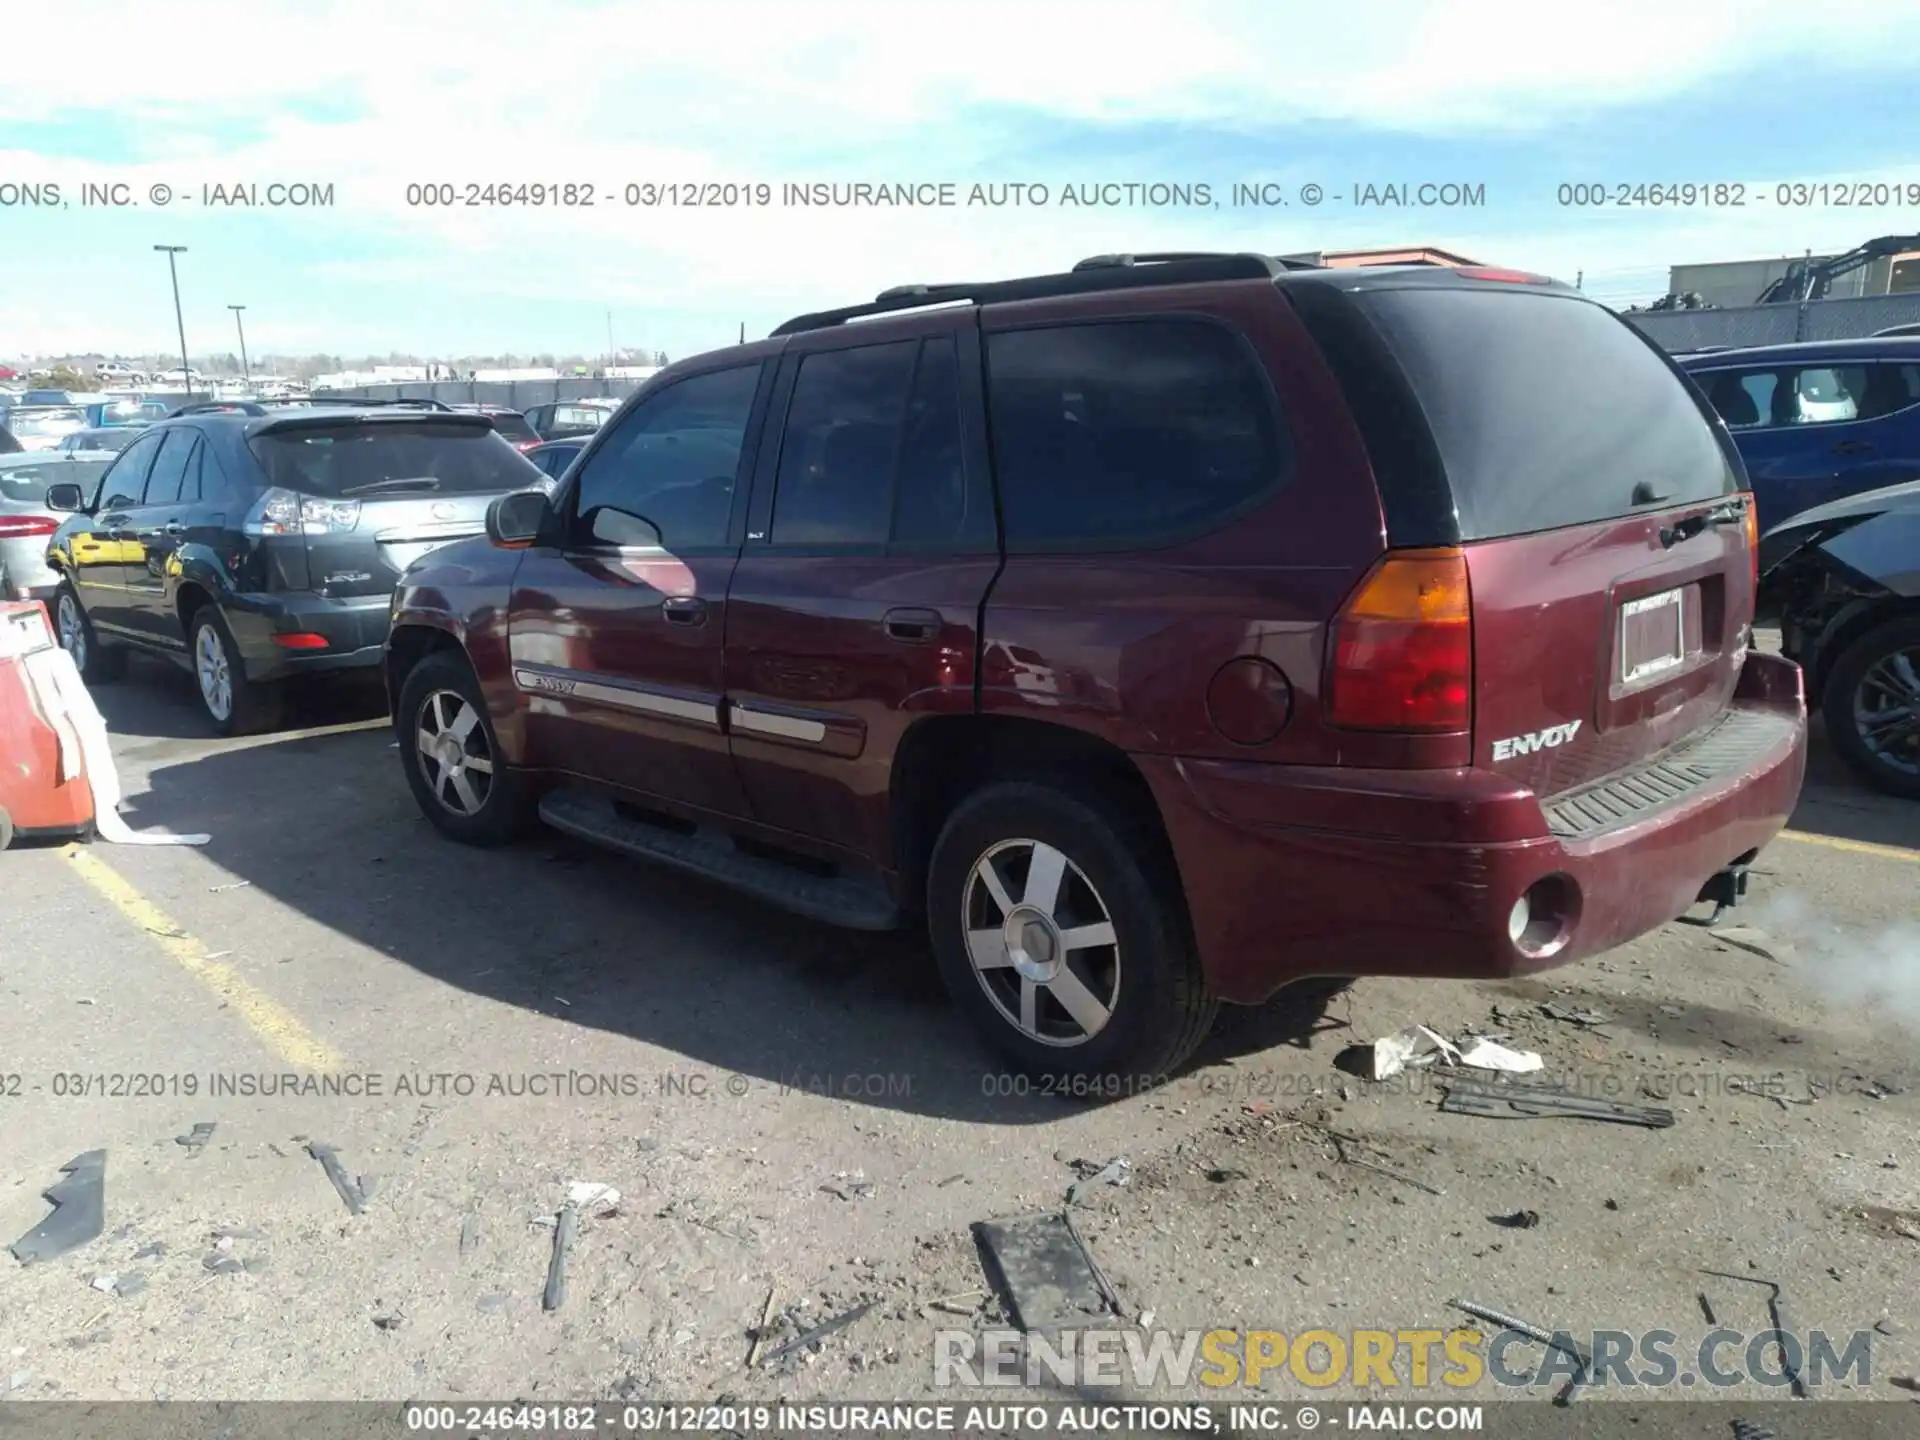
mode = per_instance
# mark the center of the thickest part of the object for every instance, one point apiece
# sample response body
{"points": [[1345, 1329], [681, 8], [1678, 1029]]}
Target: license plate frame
{"points": [[1637, 669]]}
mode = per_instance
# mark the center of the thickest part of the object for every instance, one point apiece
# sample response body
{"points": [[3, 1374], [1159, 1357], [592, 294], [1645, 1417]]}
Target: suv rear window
{"points": [[1128, 431], [394, 457], [1547, 411]]}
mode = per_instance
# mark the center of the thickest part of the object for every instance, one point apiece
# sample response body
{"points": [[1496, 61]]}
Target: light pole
{"points": [[246, 370], [186, 368]]}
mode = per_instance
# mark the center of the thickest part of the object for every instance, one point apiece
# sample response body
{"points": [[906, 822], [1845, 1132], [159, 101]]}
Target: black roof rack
{"points": [[1096, 273]]}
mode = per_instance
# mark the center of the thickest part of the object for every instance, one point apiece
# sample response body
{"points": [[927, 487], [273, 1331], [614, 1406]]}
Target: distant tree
{"points": [[65, 377]]}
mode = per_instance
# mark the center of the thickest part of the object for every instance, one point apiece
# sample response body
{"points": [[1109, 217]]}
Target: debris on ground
{"points": [[1485, 1054], [1561, 1341], [1407, 1049], [1518, 1220], [1567, 1015], [1511, 1102], [196, 1139], [1777, 1312], [1115, 1172], [469, 1234], [760, 1331], [230, 885], [564, 1226], [329, 1159], [151, 1251], [950, 1180], [105, 1283], [1042, 1270], [849, 1185], [818, 1332], [591, 1198], [1747, 937], [1904, 1382], [392, 1320], [79, 1211]]}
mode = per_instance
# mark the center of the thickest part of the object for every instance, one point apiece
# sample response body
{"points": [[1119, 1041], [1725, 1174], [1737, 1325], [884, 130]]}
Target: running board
{"points": [[847, 901]]}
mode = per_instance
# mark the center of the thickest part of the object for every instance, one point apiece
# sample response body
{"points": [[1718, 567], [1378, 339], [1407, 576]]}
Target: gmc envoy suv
{"points": [[1155, 634]]}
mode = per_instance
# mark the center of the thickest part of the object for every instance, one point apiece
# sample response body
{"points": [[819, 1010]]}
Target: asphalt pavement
{"points": [[793, 1109]]}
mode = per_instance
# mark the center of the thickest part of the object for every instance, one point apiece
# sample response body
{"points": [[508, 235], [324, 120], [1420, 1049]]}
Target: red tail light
{"points": [[1750, 522], [302, 640], [1403, 647], [23, 527]]}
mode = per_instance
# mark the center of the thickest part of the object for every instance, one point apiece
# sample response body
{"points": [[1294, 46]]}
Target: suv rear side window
{"points": [[1548, 411], [163, 481], [1123, 432], [355, 460]]}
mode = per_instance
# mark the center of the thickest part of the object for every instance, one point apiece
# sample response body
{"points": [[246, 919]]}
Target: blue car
{"points": [[1819, 421]]}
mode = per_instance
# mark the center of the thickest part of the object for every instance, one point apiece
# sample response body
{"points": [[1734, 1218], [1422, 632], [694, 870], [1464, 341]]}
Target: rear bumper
{"points": [[1292, 871], [24, 572], [355, 630]]}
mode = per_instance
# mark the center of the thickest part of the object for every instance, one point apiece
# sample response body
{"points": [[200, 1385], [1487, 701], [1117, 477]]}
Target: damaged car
{"points": [[1845, 580]]}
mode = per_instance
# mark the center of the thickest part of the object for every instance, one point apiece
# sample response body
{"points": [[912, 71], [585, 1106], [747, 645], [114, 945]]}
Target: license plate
{"points": [[1652, 635]]}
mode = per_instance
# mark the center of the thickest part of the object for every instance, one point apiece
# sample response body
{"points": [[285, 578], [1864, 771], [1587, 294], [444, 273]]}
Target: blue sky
{"points": [[1516, 98]]}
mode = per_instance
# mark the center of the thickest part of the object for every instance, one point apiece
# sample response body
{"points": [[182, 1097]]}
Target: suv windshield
{"points": [[394, 457], [1547, 410]]}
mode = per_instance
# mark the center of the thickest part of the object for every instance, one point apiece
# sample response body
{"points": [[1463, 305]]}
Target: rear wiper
{"points": [[417, 482], [1731, 513]]}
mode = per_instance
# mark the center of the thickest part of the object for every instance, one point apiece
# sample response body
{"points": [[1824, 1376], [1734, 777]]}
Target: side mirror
{"points": [[515, 521], [65, 496]]}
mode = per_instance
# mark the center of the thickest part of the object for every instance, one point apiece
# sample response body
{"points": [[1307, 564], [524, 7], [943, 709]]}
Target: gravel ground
{"points": [[788, 1108]]}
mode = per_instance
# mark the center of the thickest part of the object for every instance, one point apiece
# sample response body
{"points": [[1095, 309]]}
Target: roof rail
{"points": [[1101, 272], [219, 407], [358, 401]]}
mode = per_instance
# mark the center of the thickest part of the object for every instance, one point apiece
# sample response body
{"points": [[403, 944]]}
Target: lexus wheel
{"points": [[96, 663], [1060, 933], [451, 756], [233, 704], [1872, 706]]}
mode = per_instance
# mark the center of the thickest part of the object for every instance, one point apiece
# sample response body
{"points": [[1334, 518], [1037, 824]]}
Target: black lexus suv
{"points": [[252, 543]]}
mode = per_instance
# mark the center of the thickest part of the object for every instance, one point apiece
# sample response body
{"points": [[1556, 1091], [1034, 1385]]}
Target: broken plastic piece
{"points": [[592, 1198], [1485, 1054], [565, 1224], [196, 1139], [329, 1159], [1414, 1046], [79, 1209]]}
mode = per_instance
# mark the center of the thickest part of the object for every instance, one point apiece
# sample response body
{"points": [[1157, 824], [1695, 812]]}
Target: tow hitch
{"points": [[1726, 888]]}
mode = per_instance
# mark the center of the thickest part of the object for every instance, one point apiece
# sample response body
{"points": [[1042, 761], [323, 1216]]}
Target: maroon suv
{"points": [[1156, 633]]}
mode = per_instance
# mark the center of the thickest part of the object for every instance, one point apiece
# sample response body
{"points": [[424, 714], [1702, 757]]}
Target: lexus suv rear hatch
{"points": [[369, 495]]}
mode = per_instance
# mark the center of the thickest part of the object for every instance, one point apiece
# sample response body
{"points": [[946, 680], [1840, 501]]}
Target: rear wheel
{"points": [[1872, 706], [452, 757], [1060, 937], [233, 703], [96, 663]]}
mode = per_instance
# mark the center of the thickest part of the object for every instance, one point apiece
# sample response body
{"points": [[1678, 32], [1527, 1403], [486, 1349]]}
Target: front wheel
{"points": [[452, 758], [96, 663], [1061, 934], [1872, 706]]}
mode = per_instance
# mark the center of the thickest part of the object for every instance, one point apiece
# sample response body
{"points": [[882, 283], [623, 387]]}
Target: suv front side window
{"points": [[666, 477], [126, 478]]}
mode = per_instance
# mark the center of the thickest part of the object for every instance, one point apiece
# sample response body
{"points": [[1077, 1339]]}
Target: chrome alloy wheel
{"points": [[214, 671], [1049, 960], [454, 758]]}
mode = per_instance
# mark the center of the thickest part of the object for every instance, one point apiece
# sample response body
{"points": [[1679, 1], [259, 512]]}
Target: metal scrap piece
{"points": [[329, 1159], [1514, 1102], [1042, 1269], [1561, 1342], [79, 1210], [565, 1226], [825, 1327], [196, 1140]]}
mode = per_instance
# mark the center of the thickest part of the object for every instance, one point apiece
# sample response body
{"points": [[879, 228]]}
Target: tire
{"points": [[233, 704], [98, 664], [494, 806], [1878, 672], [1147, 979]]}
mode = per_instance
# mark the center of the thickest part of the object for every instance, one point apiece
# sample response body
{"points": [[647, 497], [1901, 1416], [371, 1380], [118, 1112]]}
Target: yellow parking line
{"points": [[276, 1026], [1857, 847]]}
